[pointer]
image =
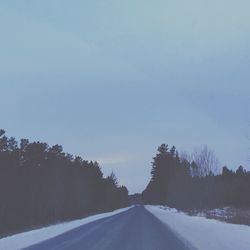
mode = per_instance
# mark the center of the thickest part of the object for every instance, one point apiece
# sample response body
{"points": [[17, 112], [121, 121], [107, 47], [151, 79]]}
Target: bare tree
{"points": [[206, 160], [184, 156]]}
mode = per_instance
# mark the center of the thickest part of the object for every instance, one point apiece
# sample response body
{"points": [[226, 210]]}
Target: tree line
{"points": [[194, 182], [41, 185]]}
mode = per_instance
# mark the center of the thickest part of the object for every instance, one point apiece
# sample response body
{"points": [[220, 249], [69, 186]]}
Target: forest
{"points": [[41, 185], [195, 182]]}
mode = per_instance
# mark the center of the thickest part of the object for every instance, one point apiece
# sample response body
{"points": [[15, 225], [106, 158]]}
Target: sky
{"points": [[112, 80]]}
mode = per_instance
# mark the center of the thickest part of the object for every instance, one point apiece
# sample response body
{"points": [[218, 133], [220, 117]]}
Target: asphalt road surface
{"points": [[135, 229]]}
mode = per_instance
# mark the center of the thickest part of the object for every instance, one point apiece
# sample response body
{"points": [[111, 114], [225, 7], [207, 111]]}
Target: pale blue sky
{"points": [[112, 80]]}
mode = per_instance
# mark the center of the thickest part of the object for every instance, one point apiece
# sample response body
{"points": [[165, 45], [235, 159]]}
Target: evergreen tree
{"points": [[41, 185]]}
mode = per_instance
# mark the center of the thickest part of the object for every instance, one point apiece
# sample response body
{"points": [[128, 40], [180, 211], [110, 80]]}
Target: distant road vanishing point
{"points": [[134, 229]]}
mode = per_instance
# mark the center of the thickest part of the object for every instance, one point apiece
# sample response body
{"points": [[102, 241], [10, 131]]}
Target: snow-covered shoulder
{"points": [[22, 240], [202, 233]]}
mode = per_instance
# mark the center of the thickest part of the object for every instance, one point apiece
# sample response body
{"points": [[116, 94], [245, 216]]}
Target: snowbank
{"points": [[202, 233], [22, 240]]}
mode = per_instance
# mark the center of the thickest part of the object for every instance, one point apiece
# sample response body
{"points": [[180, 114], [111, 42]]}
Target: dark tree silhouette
{"points": [[181, 183], [41, 185]]}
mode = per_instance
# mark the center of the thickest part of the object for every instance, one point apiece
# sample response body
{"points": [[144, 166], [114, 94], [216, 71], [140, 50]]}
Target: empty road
{"points": [[135, 229]]}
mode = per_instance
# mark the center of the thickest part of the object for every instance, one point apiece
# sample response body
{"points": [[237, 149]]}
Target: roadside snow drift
{"points": [[202, 233], [22, 240]]}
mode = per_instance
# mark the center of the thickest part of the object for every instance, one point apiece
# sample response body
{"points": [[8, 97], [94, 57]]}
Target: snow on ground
{"points": [[228, 214], [217, 213], [22, 240], [202, 233]]}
